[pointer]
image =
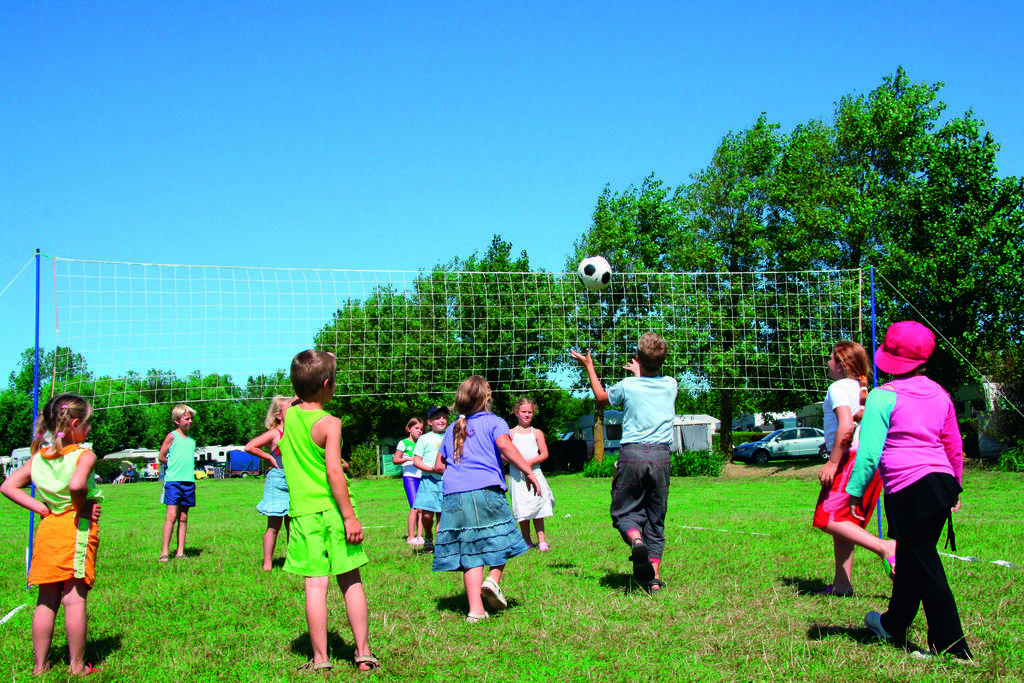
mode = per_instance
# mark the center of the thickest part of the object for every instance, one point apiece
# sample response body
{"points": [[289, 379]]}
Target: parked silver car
{"points": [[796, 442]]}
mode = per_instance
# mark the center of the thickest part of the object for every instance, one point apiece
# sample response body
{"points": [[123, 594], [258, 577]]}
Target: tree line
{"points": [[888, 182]]}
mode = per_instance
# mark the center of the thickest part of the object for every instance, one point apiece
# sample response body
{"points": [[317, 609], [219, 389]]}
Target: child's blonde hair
{"points": [[55, 419], [525, 400], [276, 411], [179, 412], [473, 396]]}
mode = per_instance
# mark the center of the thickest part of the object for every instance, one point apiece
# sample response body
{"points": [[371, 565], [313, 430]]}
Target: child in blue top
{"points": [[476, 529], [274, 503], [643, 472], [424, 458]]}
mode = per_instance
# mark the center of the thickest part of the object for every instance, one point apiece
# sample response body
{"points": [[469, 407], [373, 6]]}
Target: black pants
{"points": [[921, 581], [640, 493]]}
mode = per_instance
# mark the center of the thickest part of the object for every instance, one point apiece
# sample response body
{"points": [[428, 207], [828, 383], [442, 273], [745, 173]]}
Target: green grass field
{"points": [[738, 607]]}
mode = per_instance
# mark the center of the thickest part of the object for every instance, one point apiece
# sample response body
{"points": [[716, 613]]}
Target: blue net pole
{"points": [[874, 372], [35, 415]]}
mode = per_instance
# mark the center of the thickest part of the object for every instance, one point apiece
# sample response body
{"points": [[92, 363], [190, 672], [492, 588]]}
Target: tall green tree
{"points": [[61, 362], [15, 420], [958, 259], [885, 185], [729, 207], [840, 186]]}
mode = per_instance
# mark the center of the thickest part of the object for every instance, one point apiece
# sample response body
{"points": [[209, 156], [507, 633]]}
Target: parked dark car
{"points": [[796, 442]]}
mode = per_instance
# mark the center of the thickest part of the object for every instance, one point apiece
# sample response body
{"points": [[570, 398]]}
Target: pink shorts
{"points": [[834, 502]]}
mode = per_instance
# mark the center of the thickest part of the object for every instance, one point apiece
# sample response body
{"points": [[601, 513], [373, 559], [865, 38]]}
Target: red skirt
{"points": [[834, 502]]}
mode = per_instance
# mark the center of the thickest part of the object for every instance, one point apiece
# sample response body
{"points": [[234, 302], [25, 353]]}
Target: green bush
{"points": [[1012, 459], [696, 464], [685, 464], [601, 469], [363, 462]]}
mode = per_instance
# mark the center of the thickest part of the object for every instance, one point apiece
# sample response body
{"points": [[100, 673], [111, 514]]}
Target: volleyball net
{"points": [[143, 333]]}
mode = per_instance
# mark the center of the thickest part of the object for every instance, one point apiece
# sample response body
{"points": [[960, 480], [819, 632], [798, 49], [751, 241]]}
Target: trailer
{"points": [[241, 464]]}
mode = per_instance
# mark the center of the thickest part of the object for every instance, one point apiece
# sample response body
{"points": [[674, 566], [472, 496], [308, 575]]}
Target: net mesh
{"points": [[131, 332]]}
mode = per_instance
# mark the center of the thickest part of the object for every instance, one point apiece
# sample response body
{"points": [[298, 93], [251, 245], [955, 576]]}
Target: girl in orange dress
{"points": [[64, 553]]}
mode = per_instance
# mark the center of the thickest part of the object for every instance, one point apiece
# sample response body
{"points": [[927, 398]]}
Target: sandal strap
{"points": [[367, 659]]}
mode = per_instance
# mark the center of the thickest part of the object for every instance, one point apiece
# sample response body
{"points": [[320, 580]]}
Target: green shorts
{"points": [[317, 546]]}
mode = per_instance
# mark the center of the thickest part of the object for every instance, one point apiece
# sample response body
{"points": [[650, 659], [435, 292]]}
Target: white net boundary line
{"points": [[155, 333]]}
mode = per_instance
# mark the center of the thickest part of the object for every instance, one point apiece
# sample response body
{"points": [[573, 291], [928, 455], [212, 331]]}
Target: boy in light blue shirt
{"points": [[642, 474]]}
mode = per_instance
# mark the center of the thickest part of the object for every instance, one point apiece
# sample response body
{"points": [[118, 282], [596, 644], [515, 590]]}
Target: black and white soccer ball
{"points": [[595, 273]]}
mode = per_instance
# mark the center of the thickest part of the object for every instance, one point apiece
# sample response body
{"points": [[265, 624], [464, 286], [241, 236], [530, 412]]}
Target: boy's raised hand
{"points": [[633, 366], [584, 359]]}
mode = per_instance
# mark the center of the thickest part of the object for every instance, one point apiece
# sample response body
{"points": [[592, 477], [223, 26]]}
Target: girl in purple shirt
{"points": [[476, 528]]}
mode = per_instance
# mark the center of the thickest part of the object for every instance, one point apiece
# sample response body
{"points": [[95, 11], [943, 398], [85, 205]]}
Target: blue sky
{"points": [[397, 135]]}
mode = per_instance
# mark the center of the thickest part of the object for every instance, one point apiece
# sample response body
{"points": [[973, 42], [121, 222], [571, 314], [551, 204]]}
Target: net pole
{"points": [[874, 371], [35, 415]]}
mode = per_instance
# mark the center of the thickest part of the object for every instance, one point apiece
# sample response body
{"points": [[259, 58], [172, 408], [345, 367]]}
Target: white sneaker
{"points": [[926, 656], [473, 618], [873, 620], [492, 595]]}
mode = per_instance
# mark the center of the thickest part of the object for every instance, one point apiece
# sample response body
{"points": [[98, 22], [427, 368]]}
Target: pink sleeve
{"points": [[953, 443]]}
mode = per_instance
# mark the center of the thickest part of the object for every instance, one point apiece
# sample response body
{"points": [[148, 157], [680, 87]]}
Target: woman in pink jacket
{"points": [[909, 433]]}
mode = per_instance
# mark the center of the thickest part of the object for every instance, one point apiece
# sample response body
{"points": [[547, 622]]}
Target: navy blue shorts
{"points": [[180, 493]]}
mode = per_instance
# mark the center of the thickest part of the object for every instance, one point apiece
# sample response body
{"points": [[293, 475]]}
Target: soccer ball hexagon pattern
{"points": [[595, 273]]}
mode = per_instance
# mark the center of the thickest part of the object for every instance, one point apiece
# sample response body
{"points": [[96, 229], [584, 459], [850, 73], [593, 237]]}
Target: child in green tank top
{"points": [[326, 537], [178, 453]]}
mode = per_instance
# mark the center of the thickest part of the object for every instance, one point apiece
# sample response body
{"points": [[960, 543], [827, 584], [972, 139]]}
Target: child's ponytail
{"points": [[55, 419], [472, 396], [459, 430], [854, 361]]}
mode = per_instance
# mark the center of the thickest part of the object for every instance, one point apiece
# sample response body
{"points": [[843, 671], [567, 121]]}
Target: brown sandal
{"points": [[316, 666], [369, 660]]}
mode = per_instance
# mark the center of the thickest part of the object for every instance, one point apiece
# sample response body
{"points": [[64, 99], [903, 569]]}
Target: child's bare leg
{"points": [[43, 620], [288, 527], [857, 535], [843, 552], [358, 613], [524, 529], [428, 525], [495, 573], [474, 579], [656, 563], [538, 524], [270, 541], [419, 523], [75, 621], [316, 616], [172, 514], [182, 529], [411, 523]]}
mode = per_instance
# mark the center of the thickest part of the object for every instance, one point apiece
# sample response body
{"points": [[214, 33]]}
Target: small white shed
{"points": [[693, 432]]}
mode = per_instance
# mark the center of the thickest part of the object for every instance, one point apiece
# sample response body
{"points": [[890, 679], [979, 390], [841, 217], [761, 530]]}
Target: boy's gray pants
{"points": [[640, 493]]}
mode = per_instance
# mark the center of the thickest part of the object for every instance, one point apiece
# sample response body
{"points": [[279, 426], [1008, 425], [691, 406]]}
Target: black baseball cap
{"points": [[434, 410]]}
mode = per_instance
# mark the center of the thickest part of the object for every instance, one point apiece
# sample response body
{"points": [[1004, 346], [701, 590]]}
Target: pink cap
{"points": [[907, 345]]}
